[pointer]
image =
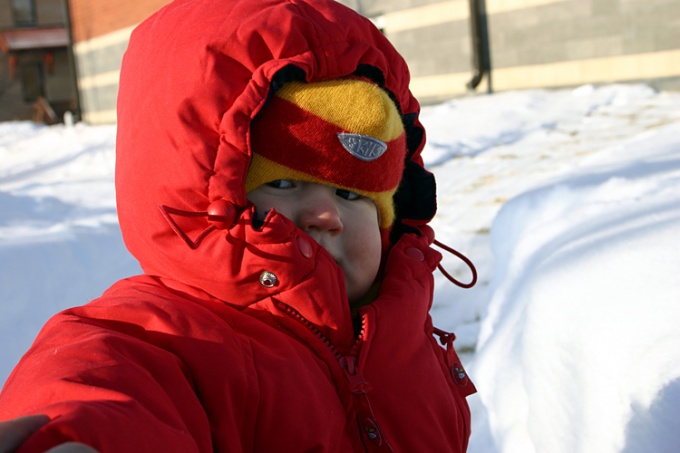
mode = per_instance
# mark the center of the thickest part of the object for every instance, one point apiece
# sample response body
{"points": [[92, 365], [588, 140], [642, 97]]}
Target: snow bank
{"points": [[579, 350], [60, 244]]}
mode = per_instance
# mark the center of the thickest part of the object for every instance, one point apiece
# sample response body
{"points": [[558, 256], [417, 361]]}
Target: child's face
{"points": [[344, 223]]}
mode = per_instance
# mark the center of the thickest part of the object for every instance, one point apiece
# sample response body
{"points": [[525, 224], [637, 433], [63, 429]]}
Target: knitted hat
{"points": [[345, 133]]}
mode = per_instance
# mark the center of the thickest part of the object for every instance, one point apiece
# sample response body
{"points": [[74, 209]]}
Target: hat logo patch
{"points": [[362, 146]]}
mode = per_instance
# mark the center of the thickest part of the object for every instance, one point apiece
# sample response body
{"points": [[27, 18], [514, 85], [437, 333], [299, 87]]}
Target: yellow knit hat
{"points": [[345, 133]]}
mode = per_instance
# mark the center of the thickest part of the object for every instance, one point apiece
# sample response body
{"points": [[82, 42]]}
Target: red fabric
{"points": [[157, 364]]}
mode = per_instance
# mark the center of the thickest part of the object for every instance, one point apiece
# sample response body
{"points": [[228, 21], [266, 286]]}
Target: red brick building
{"points": [[100, 30], [35, 63], [65, 52]]}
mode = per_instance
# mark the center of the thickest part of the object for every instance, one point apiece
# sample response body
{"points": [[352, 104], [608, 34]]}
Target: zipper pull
{"points": [[359, 386], [456, 369], [357, 382]]}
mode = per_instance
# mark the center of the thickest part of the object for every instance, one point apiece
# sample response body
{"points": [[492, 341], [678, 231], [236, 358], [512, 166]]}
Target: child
{"points": [[269, 182]]}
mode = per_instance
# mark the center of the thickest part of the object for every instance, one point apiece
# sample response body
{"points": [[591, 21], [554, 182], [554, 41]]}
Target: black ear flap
{"points": [[415, 135], [415, 201]]}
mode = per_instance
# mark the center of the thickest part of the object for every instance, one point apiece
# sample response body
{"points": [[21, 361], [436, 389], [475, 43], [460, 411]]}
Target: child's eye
{"points": [[347, 194], [281, 184]]}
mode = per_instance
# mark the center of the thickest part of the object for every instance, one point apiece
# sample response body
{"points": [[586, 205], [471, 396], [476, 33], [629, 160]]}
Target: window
{"points": [[24, 12]]}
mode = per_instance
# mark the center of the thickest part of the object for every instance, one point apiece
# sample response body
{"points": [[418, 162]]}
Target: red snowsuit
{"points": [[199, 354]]}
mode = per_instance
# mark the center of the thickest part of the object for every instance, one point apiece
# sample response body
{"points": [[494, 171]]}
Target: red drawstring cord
{"points": [[464, 259], [444, 336]]}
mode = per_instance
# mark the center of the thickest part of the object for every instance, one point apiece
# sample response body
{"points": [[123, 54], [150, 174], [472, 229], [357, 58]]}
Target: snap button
{"points": [[414, 253], [305, 247], [458, 374], [268, 279], [221, 214], [373, 431]]}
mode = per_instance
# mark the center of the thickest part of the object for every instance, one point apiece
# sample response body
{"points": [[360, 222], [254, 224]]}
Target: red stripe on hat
{"points": [[300, 140]]}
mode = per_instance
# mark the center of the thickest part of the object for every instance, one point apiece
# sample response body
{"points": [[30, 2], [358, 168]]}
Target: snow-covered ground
{"points": [[567, 201]]}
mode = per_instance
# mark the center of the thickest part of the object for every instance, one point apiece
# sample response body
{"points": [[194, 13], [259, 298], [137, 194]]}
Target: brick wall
{"points": [[94, 18], [101, 29]]}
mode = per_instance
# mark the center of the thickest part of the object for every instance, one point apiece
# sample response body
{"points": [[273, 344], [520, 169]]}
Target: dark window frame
{"points": [[24, 12]]}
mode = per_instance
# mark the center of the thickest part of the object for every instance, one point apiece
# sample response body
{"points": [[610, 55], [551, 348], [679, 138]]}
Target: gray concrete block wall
{"points": [[583, 29], [564, 31], [99, 98], [651, 25], [98, 70], [371, 8], [438, 49], [586, 35], [102, 60]]}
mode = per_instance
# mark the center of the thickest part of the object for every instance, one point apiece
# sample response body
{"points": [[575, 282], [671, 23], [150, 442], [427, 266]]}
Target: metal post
{"points": [[72, 61], [481, 62]]}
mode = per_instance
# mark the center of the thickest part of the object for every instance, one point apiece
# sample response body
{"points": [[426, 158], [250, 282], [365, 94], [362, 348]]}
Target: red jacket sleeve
{"points": [[105, 384]]}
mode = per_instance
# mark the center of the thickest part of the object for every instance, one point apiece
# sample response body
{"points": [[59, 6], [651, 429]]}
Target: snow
{"points": [[568, 202]]}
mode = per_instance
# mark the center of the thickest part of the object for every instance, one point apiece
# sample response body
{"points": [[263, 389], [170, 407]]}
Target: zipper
{"points": [[358, 384], [348, 363], [293, 313], [371, 433]]}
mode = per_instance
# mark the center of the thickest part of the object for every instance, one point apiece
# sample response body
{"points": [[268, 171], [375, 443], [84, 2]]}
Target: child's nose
{"points": [[319, 210]]}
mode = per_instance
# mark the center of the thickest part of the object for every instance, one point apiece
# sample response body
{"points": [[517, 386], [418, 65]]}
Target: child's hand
{"points": [[13, 433], [72, 447]]}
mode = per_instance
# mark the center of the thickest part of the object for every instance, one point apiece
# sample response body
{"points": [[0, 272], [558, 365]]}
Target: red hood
{"points": [[194, 76]]}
